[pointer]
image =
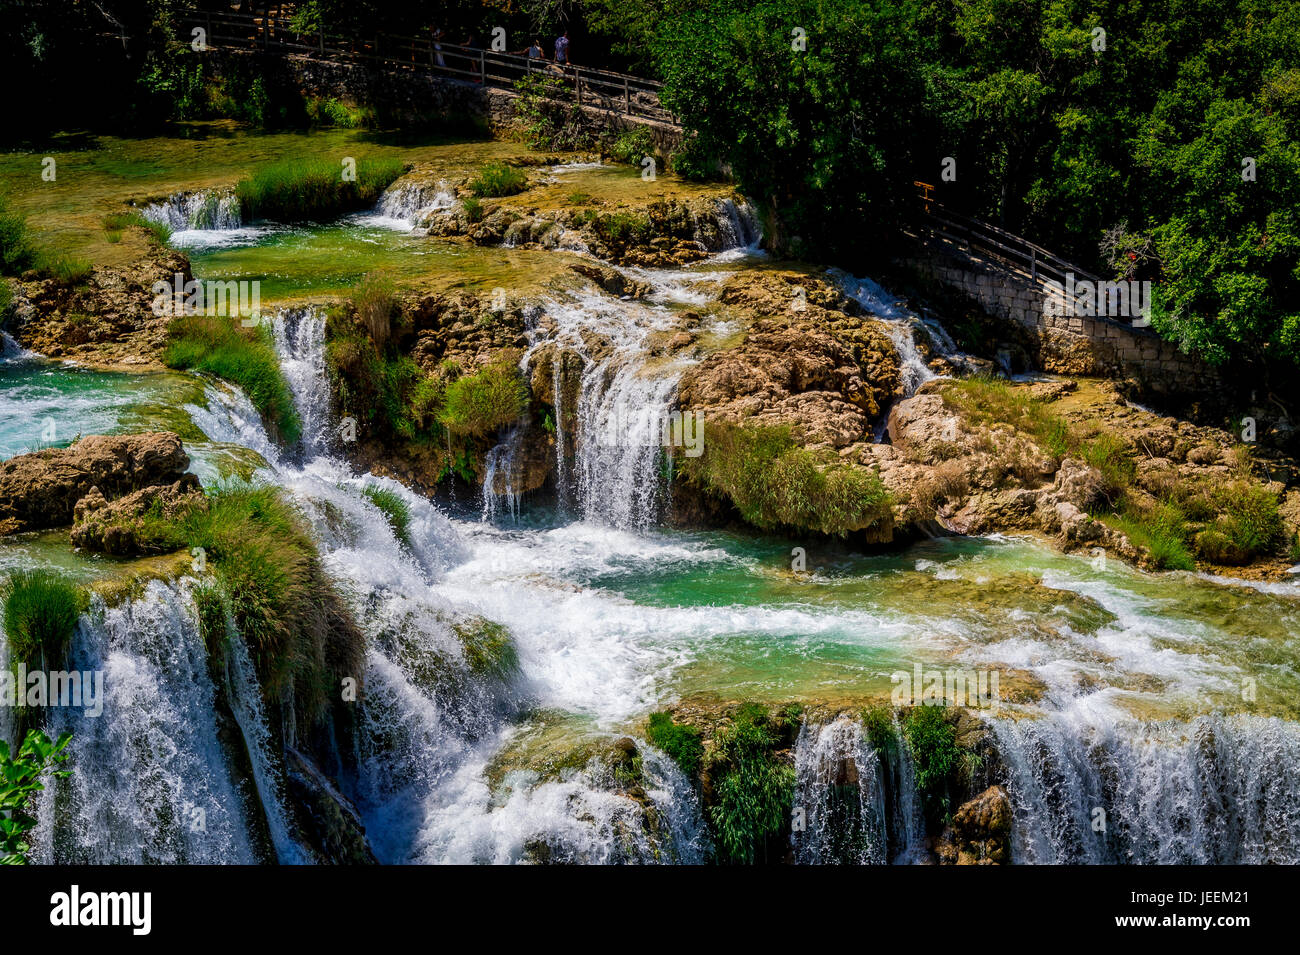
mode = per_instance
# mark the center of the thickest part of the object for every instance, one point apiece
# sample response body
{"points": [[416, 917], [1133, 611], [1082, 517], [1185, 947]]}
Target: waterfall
{"points": [[300, 342], [738, 225], [1216, 790], [901, 325], [405, 205], [245, 695], [150, 779], [193, 211], [499, 472], [10, 350]]}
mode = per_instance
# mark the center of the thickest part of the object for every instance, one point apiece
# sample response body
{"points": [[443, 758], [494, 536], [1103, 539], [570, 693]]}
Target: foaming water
{"points": [[150, 779]]}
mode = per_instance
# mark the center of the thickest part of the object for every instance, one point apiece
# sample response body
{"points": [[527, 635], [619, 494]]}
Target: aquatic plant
{"points": [[395, 510], [41, 612], [752, 788], [775, 483], [481, 403], [314, 189], [682, 743], [497, 179]]}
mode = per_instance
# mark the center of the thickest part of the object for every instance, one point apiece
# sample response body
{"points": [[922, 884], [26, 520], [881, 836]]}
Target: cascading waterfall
{"points": [[903, 327], [498, 471], [405, 205], [300, 342], [10, 350], [192, 211], [738, 224], [1214, 790], [151, 781]]}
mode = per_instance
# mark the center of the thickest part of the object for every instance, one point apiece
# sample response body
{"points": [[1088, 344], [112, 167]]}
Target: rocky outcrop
{"points": [[42, 489], [108, 319], [980, 833], [809, 359], [138, 523], [325, 816]]}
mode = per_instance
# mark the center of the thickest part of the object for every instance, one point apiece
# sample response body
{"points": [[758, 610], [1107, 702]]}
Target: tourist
{"points": [[562, 48]]}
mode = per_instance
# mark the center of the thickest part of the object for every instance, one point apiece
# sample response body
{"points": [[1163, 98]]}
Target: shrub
{"points": [[481, 403], [213, 344], [681, 743], [632, 145], [323, 111], [690, 161], [18, 252], [932, 743], [623, 227], [313, 189], [497, 179], [1161, 529], [473, 208], [395, 511], [753, 789], [21, 777], [41, 612], [775, 483]]}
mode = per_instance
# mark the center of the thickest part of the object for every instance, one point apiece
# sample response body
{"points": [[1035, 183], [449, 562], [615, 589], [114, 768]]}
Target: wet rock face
{"points": [[42, 490], [980, 833], [325, 816]]}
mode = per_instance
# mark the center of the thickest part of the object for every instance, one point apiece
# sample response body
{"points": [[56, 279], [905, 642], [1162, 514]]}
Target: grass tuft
{"points": [[496, 179], [314, 190], [394, 509], [41, 612]]}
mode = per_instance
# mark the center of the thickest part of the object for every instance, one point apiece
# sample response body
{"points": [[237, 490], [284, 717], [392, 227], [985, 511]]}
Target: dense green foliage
{"points": [[775, 483], [485, 401], [268, 576], [244, 357], [753, 788], [21, 777], [314, 189], [680, 742], [41, 611], [932, 743], [1125, 152]]}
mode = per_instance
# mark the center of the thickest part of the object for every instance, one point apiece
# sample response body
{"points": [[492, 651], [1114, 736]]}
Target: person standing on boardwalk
{"points": [[562, 48]]}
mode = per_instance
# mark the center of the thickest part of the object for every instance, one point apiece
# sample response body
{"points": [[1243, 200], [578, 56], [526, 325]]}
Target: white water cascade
{"points": [[190, 211], [151, 781]]}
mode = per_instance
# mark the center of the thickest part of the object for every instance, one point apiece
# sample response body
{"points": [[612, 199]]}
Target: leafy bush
{"points": [[213, 344], [323, 111], [497, 179], [481, 403], [41, 612], [774, 483], [314, 189], [753, 790], [632, 145], [21, 778], [473, 208], [681, 743], [18, 252]]}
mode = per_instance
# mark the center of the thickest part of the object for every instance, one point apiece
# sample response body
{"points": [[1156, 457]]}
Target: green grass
{"points": [[623, 227], [481, 403], [270, 579], [775, 484], [681, 743], [496, 179], [314, 190], [932, 743], [41, 612], [632, 145], [473, 208], [246, 358], [375, 301], [1161, 530], [120, 221], [394, 509]]}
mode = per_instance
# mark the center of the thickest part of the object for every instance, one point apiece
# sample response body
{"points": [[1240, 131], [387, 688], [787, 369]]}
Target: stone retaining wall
{"points": [[1071, 344]]}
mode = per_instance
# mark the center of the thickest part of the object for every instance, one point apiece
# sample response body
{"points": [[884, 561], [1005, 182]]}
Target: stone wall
{"points": [[1070, 344]]}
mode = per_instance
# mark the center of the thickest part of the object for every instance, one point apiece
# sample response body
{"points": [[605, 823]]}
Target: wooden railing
{"points": [[601, 89], [981, 238]]}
